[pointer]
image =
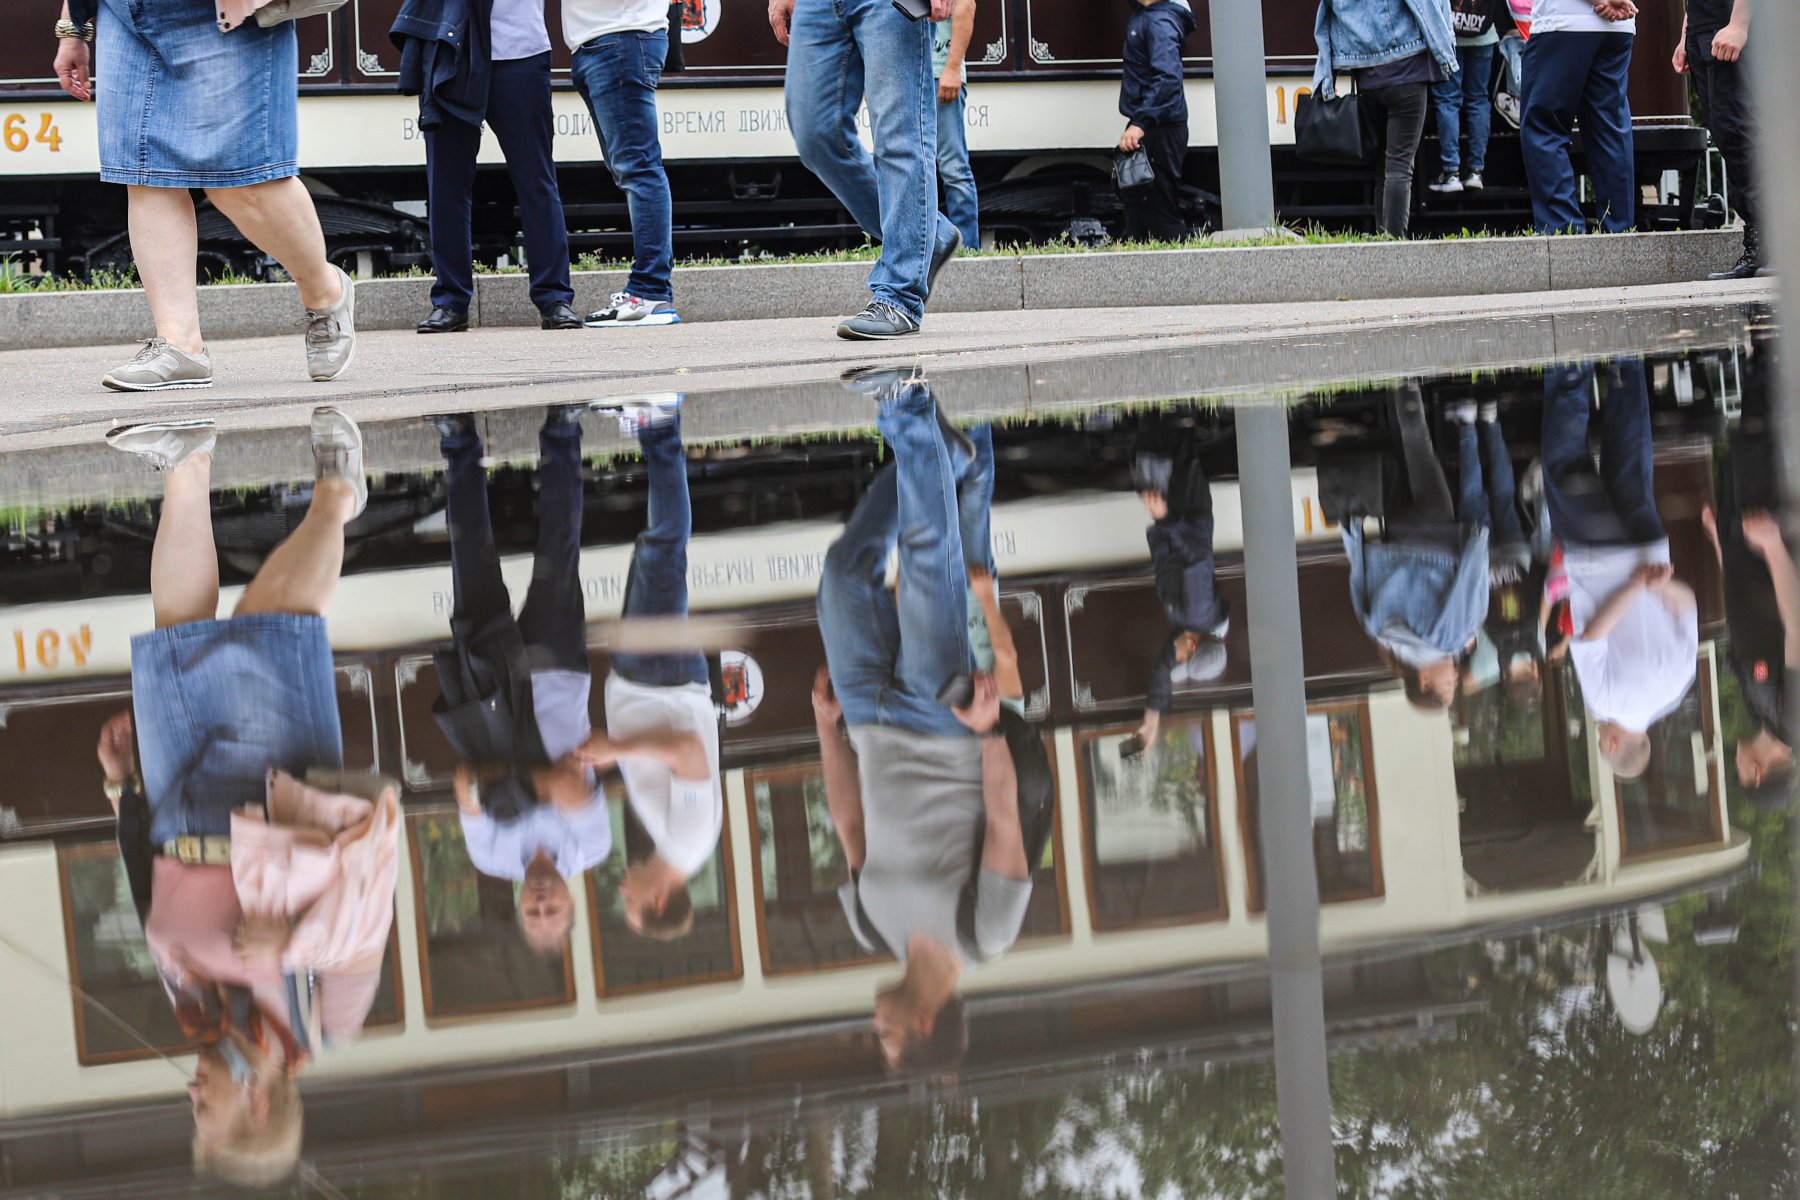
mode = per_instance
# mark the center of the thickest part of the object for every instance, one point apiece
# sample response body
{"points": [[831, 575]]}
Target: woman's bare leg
{"points": [[279, 219], [184, 566], [301, 575], [165, 244]]}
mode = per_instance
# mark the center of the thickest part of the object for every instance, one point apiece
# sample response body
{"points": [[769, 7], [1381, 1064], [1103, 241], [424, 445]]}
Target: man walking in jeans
{"points": [[842, 52], [924, 796], [1636, 632], [620, 47], [1578, 64]]}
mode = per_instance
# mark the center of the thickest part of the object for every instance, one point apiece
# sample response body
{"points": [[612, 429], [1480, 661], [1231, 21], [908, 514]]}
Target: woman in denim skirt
{"points": [[219, 707], [191, 96]]}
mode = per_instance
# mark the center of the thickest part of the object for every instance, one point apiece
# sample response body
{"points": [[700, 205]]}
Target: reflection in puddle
{"points": [[688, 896]]}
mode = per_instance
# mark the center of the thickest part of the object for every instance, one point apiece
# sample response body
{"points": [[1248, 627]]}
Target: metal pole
{"points": [[1241, 108], [1775, 26], [1278, 686]]}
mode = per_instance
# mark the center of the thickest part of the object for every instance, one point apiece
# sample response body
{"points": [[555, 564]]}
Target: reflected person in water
{"points": [[1421, 590], [932, 783], [515, 689], [264, 874], [1762, 594], [662, 726], [1635, 627], [1175, 492]]}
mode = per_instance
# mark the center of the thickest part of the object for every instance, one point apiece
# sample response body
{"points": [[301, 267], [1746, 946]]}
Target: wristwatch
{"points": [[116, 788], [69, 29]]}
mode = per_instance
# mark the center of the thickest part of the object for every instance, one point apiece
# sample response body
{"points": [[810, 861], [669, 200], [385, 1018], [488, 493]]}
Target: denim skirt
{"points": [[183, 105], [217, 703]]}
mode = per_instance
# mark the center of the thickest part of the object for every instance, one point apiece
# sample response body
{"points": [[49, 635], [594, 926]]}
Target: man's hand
{"points": [[1149, 727], [1680, 62], [1728, 43], [943, 10], [1616, 10], [950, 84], [1131, 138], [71, 66], [118, 758], [826, 709], [1653, 577], [983, 712], [1763, 534], [598, 752], [261, 939], [781, 18]]}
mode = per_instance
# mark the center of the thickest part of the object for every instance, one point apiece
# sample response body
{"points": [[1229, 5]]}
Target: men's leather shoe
{"points": [[1746, 267], [445, 320], [560, 316]]}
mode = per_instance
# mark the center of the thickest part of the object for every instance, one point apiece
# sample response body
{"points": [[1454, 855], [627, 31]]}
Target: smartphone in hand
{"points": [[914, 10]]}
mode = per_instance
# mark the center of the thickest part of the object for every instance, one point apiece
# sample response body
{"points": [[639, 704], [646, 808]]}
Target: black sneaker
{"points": [[942, 258], [879, 322]]}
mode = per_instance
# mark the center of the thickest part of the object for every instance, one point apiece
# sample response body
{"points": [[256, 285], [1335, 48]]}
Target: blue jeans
{"points": [[1512, 56], [1615, 506], [889, 655], [1489, 493], [1464, 108], [519, 113], [553, 623], [657, 585], [840, 53], [617, 75], [1570, 75], [956, 178]]}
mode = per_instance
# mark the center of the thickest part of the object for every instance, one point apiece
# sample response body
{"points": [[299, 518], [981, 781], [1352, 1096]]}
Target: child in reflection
{"points": [[515, 690], [1762, 595], [924, 791], [1422, 590], [662, 727], [1175, 493], [266, 901], [1636, 632]]}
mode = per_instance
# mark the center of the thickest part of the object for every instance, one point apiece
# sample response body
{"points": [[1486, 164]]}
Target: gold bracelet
{"points": [[69, 29]]}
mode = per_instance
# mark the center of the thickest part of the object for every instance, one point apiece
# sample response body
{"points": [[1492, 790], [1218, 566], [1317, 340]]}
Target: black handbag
{"points": [[1332, 130], [1132, 171]]}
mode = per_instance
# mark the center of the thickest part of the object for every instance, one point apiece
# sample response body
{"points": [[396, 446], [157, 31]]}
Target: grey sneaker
{"points": [[331, 334], [942, 258], [879, 322], [160, 367], [338, 452], [626, 311], [166, 444]]}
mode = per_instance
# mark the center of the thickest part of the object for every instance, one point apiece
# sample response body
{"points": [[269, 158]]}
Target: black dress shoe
{"points": [[560, 316], [445, 320], [1746, 267]]}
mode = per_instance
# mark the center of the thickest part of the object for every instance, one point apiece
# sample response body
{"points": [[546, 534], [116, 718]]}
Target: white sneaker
{"points": [[636, 413], [629, 311], [1473, 182], [1446, 183], [338, 452], [166, 444], [331, 334], [1508, 107], [1463, 412], [1490, 411]]}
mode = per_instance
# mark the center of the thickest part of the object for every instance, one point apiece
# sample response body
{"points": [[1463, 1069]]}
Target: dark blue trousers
{"points": [[1570, 75], [1615, 505], [519, 113]]}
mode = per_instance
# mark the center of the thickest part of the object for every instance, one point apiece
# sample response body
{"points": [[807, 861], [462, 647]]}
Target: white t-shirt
{"points": [[1641, 669], [585, 20], [682, 816], [516, 30], [576, 840], [1573, 16]]}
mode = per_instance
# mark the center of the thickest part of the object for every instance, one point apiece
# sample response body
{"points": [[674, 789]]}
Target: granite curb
{"points": [[1119, 279]]}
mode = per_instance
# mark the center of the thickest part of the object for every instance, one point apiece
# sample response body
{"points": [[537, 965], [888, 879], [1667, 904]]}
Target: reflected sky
{"points": [[1542, 627]]}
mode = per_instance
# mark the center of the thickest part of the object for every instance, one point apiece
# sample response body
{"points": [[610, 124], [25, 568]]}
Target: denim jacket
{"points": [[443, 48], [1370, 33], [1418, 601]]}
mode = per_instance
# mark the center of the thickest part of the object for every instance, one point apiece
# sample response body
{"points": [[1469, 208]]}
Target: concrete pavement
{"points": [[761, 378]]}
